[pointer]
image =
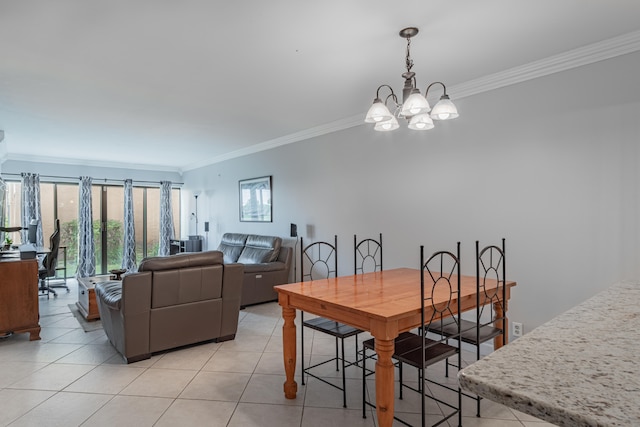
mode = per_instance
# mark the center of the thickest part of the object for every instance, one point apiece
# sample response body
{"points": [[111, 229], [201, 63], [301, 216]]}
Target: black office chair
{"points": [[440, 274], [49, 263], [321, 262], [490, 320], [367, 255]]}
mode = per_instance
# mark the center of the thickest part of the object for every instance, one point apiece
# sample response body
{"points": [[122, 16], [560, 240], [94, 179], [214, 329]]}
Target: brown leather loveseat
{"points": [[171, 302], [266, 263]]}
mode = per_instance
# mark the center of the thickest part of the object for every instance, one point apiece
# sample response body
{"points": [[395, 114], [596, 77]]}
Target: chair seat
{"points": [[467, 331], [370, 343], [331, 327], [408, 346], [409, 351]]}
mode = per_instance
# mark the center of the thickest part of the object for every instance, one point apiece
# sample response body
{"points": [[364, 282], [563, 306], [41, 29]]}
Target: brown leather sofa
{"points": [[266, 263], [171, 302]]}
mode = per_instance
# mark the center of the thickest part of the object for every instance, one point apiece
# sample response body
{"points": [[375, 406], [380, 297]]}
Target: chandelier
{"points": [[415, 107]]}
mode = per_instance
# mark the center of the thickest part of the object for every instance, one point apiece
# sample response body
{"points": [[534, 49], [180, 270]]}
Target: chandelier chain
{"points": [[409, 61]]}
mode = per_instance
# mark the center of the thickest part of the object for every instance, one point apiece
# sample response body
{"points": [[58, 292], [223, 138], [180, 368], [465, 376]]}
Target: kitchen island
{"points": [[580, 368]]}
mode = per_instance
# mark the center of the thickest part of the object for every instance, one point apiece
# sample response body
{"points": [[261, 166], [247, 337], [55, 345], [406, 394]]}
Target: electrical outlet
{"points": [[517, 329]]}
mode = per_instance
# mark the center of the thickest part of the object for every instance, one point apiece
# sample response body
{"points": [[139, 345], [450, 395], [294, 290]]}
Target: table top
{"points": [[90, 282], [14, 252], [385, 295], [580, 368]]}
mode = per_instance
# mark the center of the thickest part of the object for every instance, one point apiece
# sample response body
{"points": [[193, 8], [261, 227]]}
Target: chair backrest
{"points": [[318, 260], [50, 261], [440, 290], [491, 270], [367, 255]]}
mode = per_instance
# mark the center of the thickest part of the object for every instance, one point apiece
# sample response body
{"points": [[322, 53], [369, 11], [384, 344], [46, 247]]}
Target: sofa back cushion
{"points": [[231, 246], [185, 285], [184, 260], [260, 249]]}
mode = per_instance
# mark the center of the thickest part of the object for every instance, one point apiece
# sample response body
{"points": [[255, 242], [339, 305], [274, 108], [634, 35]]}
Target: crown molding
{"points": [[606, 49], [313, 132], [94, 163]]}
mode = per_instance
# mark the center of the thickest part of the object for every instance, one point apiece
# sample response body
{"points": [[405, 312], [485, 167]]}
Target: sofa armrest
{"points": [[231, 295], [136, 293], [136, 315], [110, 294], [286, 256]]}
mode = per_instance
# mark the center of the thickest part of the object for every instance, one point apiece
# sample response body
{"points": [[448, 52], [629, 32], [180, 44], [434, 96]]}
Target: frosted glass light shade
{"points": [[388, 125], [421, 122], [444, 109], [377, 113], [415, 104]]}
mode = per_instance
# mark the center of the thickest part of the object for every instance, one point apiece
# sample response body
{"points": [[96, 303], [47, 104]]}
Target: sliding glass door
{"points": [[109, 231], [60, 200]]}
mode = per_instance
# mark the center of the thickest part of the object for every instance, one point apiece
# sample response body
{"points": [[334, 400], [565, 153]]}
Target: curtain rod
{"points": [[97, 179]]}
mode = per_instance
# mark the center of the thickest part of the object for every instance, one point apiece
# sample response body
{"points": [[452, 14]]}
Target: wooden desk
{"points": [[19, 297], [15, 253], [383, 303]]}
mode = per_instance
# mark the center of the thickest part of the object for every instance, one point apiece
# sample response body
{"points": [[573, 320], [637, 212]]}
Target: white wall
{"points": [[550, 164]]}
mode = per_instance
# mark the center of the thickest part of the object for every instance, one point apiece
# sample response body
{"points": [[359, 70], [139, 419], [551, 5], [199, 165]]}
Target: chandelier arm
{"points": [[394, 97], [380, 87], [444, 88]]}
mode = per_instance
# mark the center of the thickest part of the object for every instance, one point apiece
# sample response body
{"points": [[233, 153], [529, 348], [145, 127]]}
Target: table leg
{"points": [[384, 382], [289, 351], [498, 310]]}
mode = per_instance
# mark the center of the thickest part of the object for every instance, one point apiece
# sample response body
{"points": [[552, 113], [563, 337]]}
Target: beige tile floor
{"points": [[73, 378]]}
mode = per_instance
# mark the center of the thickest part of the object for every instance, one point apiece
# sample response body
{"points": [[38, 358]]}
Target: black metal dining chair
{"points": [[490, 315], [367, 255], [439, 275], [319, 260]]}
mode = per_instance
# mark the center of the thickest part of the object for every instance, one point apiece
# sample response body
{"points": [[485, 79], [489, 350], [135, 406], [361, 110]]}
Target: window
{"points": [[60, 200]]}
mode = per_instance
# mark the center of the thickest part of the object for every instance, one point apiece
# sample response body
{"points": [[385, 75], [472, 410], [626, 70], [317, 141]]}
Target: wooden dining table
{"points": [[385, 303]]}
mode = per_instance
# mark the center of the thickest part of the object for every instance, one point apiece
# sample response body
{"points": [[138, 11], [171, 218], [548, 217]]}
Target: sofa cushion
{"points": [[260, 249], [184, 260], [231, 246]]}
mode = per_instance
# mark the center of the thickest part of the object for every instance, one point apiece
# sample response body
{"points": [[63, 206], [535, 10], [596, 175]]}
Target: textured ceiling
{"points": [[176, 85]]}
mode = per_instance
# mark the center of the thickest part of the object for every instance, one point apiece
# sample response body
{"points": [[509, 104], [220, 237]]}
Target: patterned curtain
{"points": [[166, 218], [86, 247], [129, 248], [31, 206]]}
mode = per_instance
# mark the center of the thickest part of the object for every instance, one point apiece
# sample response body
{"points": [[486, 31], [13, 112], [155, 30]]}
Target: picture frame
{"points": [[255, 199]]}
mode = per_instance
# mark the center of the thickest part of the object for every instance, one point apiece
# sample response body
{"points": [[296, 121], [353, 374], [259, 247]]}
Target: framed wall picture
{"points": [[255, 199]]}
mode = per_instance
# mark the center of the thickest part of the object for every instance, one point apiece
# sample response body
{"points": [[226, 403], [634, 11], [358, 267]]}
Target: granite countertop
{"points": [[580, 368]]}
